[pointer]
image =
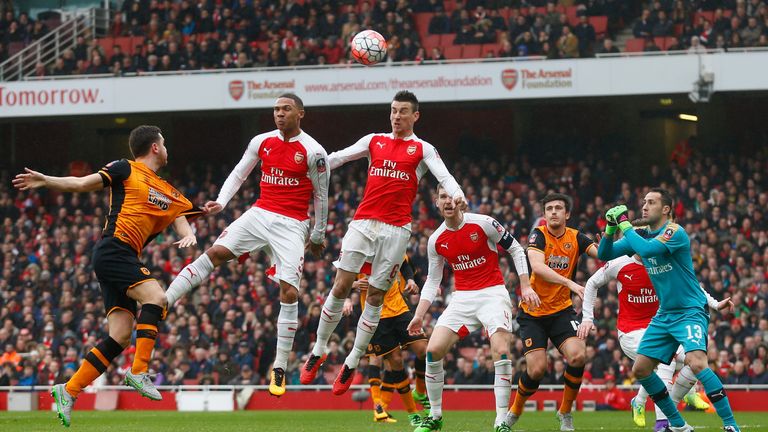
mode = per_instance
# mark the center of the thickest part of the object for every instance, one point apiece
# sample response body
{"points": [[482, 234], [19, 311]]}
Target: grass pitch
{"points": [[337, 421]]}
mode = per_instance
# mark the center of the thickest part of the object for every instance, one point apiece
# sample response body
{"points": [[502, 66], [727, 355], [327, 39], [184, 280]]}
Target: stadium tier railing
{"points": [[380, 65], [87, 23]]}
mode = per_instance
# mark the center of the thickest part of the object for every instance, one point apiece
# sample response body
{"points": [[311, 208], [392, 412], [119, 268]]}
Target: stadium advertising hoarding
{"points": [[360, 85]]}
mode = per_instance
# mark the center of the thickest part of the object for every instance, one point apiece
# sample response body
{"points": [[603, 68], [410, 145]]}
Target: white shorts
{"points": [[630, 342], [281, 237], [468, 311], [380, 243]]}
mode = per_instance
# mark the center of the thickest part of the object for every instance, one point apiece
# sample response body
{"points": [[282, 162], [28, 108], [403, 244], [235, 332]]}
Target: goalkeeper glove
{"points": [[620, 216]]}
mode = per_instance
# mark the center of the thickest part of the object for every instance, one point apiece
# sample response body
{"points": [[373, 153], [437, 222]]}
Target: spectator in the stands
{"points": [[568, 44], [643, 27], [585, 33], [751, 33], [608, 47], [663, 26], [117, 55], [440, 23], [696, 47], [97, 66]]}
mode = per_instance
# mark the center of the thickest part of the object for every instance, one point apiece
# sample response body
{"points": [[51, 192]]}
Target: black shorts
{"points": [[118, 269], [558, 327], [392, 334]]}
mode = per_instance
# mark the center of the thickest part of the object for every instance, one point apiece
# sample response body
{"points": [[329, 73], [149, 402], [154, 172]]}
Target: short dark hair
{"points": [[142, 138], [406, 96], [292, 96], [558, 197], [666, 197]]}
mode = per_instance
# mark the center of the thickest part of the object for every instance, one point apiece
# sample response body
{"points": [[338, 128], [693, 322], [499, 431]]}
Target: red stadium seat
{"points": [[449, 6], [452, 52], [660, 42], [422, 22], [570, 12], [491, 48], [471, 51], [106, 45], [127, 43], [600, 23], [635, 45], [447, 39], [429, 42], [678, 29], [709, 15]]}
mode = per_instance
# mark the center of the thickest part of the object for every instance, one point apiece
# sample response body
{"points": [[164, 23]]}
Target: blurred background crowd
{"points": [[51, 311]]}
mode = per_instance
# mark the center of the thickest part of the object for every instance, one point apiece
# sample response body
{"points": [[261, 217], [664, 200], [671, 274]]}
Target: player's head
{"points": [[657, 207], [288, 112], [404, 113], [557, 209], [148, 140], [445, 204]]}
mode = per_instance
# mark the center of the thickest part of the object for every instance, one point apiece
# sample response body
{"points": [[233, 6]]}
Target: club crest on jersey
{"points": [[298, 158], [411, 149], [473, 236], [568, 246], [320, 164], [499, 228]]}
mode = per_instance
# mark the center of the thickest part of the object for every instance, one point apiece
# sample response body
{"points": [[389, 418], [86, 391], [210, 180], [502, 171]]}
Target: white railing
{"points": [[89, 23]]}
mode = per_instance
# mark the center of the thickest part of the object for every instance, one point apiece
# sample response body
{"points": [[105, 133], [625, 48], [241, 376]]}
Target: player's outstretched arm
{"points": [[438, 169], [238, 175], [30, 179], [356, 151], [184, 230]]}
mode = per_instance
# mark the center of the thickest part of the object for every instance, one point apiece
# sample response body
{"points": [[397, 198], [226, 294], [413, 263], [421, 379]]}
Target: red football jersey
{"points": [[395, 166], [288, 169], [470, 251], [638, 302]]}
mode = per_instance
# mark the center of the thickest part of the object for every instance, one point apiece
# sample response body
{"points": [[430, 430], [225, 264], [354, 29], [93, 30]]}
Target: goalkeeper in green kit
{"points": [[682, 318]]}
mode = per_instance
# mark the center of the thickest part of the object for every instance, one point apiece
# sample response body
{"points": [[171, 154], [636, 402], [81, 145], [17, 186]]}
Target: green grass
{"points": [[335, 421]]}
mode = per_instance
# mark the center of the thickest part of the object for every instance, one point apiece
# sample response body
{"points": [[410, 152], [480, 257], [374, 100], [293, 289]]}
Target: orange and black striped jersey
{"points": [[394, 302], [561, 254], [141, 204]]}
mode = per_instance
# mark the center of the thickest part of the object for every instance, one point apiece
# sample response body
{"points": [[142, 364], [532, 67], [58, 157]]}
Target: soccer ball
{"points": [[368, 47]]}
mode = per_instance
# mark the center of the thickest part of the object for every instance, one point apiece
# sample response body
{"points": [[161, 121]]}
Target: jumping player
{"points": [[294, 168], [381, 227]]}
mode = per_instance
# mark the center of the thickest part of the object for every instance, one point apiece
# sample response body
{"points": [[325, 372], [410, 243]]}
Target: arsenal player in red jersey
{"points": [[638, 303], [294, 170], [468, 243], [381, 227]]}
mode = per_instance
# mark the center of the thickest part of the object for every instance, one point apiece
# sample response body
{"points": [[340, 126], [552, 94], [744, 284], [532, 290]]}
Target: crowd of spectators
{"points": [[176, 35], [698, 26], [51, 311]]}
